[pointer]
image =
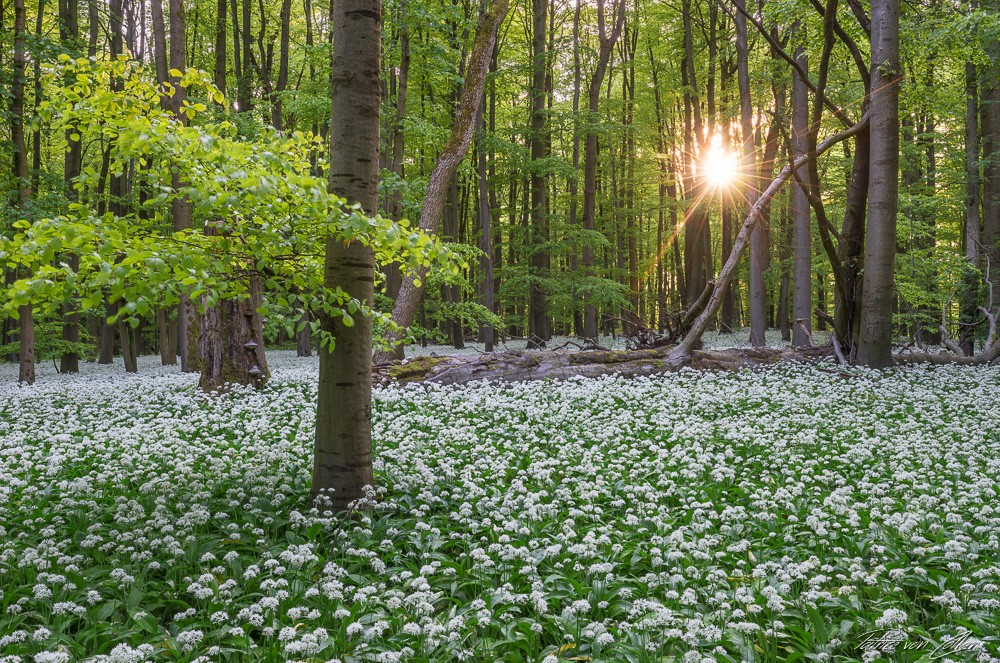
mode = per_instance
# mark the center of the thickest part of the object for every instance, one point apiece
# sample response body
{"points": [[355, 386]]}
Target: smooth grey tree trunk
{"points": [[875, 342], [342, 460], [485, 233], [990, 111], [801, 322]]}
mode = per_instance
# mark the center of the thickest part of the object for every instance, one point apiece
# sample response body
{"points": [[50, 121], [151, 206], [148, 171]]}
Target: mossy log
{"points": [[528, 366]]}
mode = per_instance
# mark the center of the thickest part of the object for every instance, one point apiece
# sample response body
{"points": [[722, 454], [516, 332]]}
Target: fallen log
{"points": [[534, 365]]}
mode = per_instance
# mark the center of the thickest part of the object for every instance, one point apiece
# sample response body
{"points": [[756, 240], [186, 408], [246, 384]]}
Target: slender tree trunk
{"points": [[245, 98], [303, 337], [26, 325], [36, 135], [666, 177], [183, 212], [107, 353], [393, 274], [574, 183], [971, 284], [342, 463], [539, 262], [69, 32], [875, 343], [590, 153], [972, 179], [129, 350], [221, 9], [758, 238], [277, 120], [990, 111], [454, 151], [485, 233], [168, 345], [785, 251], [801, 322]]}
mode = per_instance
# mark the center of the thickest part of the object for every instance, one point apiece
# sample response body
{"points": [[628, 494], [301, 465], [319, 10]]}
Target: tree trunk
{"points": [[875, 342], [590, 152], [342, 461], [539, 260], [850, 251], [758, 240], [69, 32], [393, 274], [303, 337], [107, 354], [126, 339], [990, 110], [574, 181], [801, 322], [232, 334], [26, 353], [221, 9], [181, 207], [168, 345], [485, 214], [245, 98], [454, 151], [971, 283], [277, 120]]}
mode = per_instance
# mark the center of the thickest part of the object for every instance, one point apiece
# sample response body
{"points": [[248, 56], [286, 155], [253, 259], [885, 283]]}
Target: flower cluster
{"points": [[690, 517]]}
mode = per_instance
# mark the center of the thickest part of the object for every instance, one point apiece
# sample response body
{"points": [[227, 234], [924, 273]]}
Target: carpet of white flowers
{"points": [[775, 515]]}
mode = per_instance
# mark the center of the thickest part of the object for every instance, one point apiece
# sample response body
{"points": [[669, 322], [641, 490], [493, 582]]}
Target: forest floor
{"points": [[761, 515]]}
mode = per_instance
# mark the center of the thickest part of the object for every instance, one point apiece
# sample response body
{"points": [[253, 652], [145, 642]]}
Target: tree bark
{"points": [[303, 337], [485, 214], [971, 283], [452, 155], [393, 274], [107, 340], [232, 335], [69, 32], [181, 207], [126, 339], [990, 111], [875, 342], [26, 324], [539, 260], [342, 460], [221, 8], [590, 153], [277, 120], [799, 203]]}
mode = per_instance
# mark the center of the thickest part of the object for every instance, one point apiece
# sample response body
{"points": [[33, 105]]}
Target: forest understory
{"points": [[695, 516]]}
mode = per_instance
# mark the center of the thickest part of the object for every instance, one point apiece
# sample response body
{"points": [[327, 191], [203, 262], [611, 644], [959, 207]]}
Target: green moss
{"points": [[415, 369]]}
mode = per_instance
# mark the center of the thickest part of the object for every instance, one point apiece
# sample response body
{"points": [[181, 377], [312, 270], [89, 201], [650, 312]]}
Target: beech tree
{"points": [[342, 463], [875, 340]]}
